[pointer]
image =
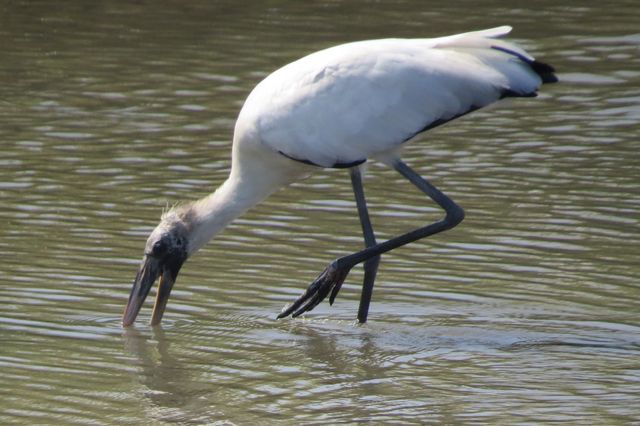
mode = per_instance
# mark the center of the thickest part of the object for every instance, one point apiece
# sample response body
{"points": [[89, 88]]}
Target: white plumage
{"points": [[355, 101], [337, 108]]}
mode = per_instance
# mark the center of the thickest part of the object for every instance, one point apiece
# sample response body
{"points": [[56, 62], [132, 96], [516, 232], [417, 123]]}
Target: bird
{"points": [[338, 108]]}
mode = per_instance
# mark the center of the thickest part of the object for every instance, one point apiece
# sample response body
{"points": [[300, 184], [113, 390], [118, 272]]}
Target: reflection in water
{"points": [[324, 369], [165, 385], [526, 311]]}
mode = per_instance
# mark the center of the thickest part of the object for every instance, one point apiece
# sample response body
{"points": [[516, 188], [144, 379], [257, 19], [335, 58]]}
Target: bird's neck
{"points": [[211, 214]]}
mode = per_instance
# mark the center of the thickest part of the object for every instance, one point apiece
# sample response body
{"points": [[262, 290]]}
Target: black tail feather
{"points": [[545, 71]]}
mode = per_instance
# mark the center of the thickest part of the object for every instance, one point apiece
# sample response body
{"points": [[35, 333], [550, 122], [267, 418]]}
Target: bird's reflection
{"points": [[266, 364], [167, 385]]}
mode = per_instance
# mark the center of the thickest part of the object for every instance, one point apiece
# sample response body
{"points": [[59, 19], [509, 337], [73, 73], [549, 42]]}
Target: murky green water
{"points": [[527, 312]]}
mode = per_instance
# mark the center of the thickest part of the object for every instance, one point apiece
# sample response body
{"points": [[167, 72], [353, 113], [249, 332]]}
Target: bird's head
{"points": [[166, 250]]}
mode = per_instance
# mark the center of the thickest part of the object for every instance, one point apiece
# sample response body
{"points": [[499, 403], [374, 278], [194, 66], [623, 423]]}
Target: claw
{"points": [[330, 280], [334, 292]]}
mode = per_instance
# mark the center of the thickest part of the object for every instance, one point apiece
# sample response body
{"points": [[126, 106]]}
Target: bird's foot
{"points": [[330, 280]]}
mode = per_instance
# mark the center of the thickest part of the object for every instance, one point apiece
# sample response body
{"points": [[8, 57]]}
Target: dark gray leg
{"points": [[371, 265], [335, 273]]}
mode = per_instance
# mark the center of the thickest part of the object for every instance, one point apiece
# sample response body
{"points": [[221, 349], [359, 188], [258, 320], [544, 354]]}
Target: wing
{"points": [[339, 106]]}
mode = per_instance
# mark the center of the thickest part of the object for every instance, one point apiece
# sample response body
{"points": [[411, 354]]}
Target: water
{"points": [[527, 312]]}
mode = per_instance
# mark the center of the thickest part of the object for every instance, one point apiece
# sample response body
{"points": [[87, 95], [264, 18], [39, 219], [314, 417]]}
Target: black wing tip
{"points": [[508, 93], [545, 71], [336, 165]]}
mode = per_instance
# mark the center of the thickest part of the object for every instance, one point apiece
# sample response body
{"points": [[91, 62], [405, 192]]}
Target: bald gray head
{"points": [[167, 248], [181, 232]]}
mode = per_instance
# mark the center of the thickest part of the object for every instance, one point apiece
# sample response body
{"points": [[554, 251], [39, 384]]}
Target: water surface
{"points": [[527, 312]]}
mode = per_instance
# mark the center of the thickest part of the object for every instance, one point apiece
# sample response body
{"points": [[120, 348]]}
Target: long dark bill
{"points": [[147, 275], [164, 290]]}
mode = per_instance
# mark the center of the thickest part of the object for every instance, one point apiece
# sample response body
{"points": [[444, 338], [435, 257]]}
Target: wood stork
{"points": [[336, 108]]}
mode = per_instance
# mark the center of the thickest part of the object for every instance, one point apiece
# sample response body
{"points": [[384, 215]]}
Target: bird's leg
{"points": [[335, 274], [371, 265], [333, 277], [454, 215]]}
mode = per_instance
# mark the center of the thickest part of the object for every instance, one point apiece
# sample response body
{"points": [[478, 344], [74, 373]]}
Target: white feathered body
{"points": [[339, 106]]}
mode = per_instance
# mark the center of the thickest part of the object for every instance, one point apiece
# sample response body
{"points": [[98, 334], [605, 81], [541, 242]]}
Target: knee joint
{"points": [[455, 215]]}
